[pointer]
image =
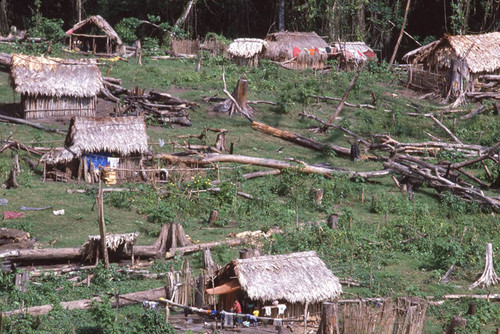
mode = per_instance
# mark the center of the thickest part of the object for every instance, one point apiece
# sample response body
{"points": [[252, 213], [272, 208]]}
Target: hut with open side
{"points": [[93, 142], [56, 87], [94, 35], [296, 50], [351, 55], [300, 281], [247, 51], [456, 66]]}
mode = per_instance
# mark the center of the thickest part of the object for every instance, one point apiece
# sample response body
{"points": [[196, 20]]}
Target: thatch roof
{"points": [[124, 136], [355, 50], [246, 47], [100, 23], [55, 77], [296, 278], [281, 44], [481, 52]]}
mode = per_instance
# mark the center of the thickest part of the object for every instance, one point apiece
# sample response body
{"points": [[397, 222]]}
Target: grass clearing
{"points": [[374, 216]]}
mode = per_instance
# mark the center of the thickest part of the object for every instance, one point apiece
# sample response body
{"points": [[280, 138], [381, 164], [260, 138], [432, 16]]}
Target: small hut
{"points": [[351, 55], [300, 281], [94, 142], [455, 66], [94, 35], [246, 51], [296, 50], [56, 87]]}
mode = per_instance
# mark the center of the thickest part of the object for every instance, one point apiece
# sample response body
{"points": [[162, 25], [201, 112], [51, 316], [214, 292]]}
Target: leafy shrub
{"points": [[127, 29]]}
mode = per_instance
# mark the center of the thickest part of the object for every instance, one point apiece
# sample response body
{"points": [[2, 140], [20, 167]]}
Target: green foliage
{"points": [[50, 29], [127, 29], [152, 322], [104, 316]]}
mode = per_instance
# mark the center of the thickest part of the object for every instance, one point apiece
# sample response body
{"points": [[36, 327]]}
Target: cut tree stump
{"points": [[214, 216], [489, 276], [329, 319]]}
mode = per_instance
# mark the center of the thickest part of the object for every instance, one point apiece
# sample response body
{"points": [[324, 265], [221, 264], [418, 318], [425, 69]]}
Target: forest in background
{"points": [[376, 22]]}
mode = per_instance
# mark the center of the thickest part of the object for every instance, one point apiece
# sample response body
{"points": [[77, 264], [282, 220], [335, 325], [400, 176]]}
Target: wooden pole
{"points": [[407, 9], [102, 224], [344, 98]]}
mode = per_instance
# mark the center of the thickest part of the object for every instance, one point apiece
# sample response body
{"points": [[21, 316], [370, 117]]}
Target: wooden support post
{"points": [[305, 317], [102, 224], [198, 62]]}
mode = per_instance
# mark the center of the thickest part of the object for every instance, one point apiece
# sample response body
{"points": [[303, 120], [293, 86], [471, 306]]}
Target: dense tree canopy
{"points": [[377, 22]]}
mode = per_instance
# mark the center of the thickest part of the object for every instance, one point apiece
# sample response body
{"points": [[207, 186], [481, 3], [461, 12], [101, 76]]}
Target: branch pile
{"points": [[160, 107]]}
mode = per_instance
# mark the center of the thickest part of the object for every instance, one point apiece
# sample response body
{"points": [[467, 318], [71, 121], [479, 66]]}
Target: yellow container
{"points": [[109, 175]]}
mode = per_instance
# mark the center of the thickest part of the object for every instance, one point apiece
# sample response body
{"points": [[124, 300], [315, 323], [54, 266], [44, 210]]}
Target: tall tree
{"points": [[4, 24], [281, 15]]}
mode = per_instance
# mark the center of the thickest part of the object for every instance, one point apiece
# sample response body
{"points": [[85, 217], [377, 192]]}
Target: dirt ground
{"points": [[200, 324]]}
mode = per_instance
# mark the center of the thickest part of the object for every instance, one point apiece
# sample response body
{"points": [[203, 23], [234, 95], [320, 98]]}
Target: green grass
{"points": [[374, 215]]}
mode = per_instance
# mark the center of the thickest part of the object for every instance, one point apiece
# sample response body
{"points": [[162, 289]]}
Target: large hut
{"points": [[56, 87], [456, 66], [94, 35], [296, 50], [247, 51], [94, 142], [300, 281]]}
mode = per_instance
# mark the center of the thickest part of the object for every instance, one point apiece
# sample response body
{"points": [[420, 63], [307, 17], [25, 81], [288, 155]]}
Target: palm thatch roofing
{"points": [[281, 44], [296, 278], [123, 136], [246, 47], [355, 50], [101, 23], [55, 76], [481, 52]]}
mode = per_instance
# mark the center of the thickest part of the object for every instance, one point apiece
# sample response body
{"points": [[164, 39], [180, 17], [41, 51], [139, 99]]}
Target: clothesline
{"points": [[241, 315]]}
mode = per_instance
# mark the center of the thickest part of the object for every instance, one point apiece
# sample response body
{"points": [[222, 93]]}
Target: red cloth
{"points": [[12, 214], [237, 307], [296, 52]]}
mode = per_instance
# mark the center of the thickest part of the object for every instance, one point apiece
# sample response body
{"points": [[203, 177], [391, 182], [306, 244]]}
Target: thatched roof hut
{"points": [[56, 87], [296, 280], [246, 51], [454, 64], [95, 35], [91, 139], [351, 55], [296, 50]]}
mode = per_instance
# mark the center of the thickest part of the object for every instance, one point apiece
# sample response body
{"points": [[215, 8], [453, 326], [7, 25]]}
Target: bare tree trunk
{"points": [[281, 15], [180, 21], [4, 23], [329, 319], [489, 276], [79, 9], [407, 9]]}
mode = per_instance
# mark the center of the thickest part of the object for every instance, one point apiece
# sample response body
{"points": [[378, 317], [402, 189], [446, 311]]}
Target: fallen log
{"points": [[300, 140], [83, 304], [365, 106], [209, 159], [34, 125]]}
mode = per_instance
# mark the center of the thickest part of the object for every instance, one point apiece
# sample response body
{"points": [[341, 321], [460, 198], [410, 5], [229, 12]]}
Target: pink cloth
{"points": [[12, 214], [296, 52]]}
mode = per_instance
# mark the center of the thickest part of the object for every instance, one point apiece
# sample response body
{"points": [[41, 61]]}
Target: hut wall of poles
{"points": [[81, 169], [91, 43], [50, 106], [185, 46], [293, 310]]}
